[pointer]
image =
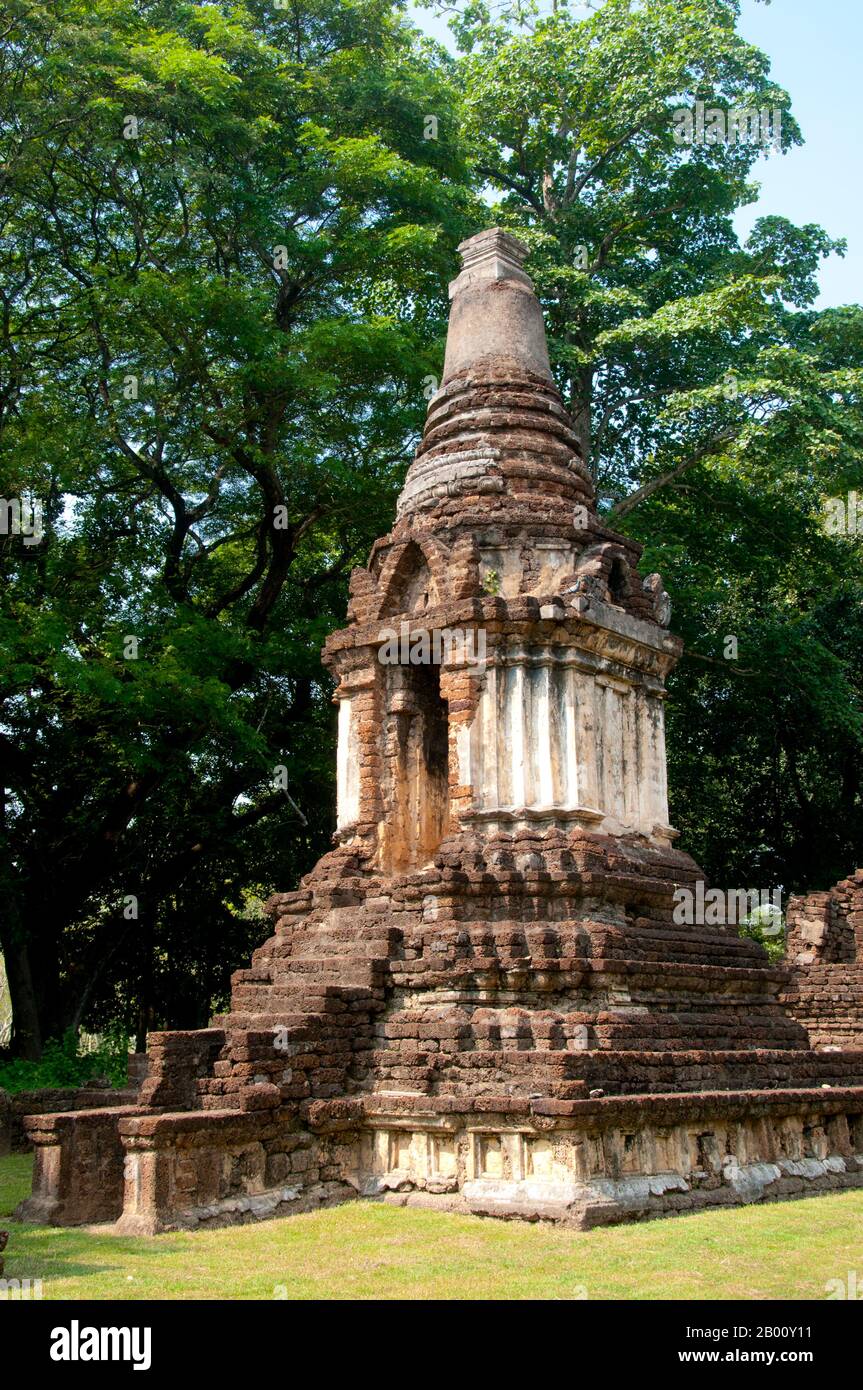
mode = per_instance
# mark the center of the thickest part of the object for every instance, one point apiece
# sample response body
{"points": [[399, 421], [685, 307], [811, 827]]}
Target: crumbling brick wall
{"points": [[825, 953], [827, 928], [49, 1100]]}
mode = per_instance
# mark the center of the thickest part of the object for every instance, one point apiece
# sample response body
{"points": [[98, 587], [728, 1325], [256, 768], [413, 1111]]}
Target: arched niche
{"points": [[416, 767], [410, 586]]}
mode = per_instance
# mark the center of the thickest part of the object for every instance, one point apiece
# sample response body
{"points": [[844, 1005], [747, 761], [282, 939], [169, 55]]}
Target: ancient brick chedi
{"points": [[480, 997]]}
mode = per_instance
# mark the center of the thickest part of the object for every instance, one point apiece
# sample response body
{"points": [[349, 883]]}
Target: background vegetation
{"points": [[224, 246]]}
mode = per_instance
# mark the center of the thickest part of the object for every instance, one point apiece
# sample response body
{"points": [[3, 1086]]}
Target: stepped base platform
{"points": [[547, 1044], [583, 1163]]}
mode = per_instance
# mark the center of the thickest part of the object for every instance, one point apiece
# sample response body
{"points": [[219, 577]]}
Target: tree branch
{"points": [[628, 504]]}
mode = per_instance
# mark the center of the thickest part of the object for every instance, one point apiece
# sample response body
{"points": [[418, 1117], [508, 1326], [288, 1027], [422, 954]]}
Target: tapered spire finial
{"points": [[495, 319]]}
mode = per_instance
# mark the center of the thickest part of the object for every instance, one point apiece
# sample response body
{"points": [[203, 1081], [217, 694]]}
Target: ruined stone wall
{"points": [[825, 952], [827, 928], [16, 1107]]}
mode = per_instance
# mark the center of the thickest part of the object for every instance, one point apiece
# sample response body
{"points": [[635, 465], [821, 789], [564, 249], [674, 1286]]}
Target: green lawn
{"points": [[372, 1250]]}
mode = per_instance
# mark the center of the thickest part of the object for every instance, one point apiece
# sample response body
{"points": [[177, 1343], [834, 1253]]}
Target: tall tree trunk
{"points": [[145, 1010], [26, 1027], [581, 393]]}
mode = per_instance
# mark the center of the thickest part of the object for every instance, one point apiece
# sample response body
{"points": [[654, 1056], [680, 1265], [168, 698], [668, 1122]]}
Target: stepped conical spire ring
{"points": [[498, 426]]}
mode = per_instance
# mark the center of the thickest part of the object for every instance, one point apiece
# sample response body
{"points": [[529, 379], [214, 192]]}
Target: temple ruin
{"points": [[479, 999]]}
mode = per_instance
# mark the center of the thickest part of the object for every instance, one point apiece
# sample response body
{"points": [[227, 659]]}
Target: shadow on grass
{"points": [[16, 1177], [52, 1253]]}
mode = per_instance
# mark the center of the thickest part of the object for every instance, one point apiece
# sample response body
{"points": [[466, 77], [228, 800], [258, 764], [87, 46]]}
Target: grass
{"points": [[369, 1250]]}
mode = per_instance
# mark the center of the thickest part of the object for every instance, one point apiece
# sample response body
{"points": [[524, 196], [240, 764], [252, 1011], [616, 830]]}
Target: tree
{"points": [[766, 727], [717, 411], [224, 239]]}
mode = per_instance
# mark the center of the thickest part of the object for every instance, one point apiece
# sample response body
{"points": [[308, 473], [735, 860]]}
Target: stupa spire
{"points": [[498, 426], [495, 315]]}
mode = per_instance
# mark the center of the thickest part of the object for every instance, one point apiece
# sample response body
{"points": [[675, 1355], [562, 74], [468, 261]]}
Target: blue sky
{"points": [[816, 52]]}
